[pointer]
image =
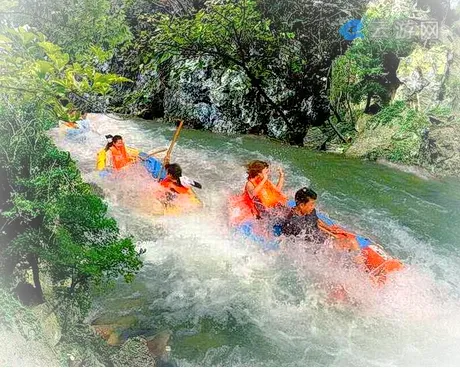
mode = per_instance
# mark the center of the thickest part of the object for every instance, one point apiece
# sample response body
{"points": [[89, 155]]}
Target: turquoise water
{"points": [[228, 303]]}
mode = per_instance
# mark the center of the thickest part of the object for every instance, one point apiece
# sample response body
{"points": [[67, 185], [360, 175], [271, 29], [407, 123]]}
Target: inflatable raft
{"points": [[74, 129], [178, 205], [182, 202], [377, 262]]}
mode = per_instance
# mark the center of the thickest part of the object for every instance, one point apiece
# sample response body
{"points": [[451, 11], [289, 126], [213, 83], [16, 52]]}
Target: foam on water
{"points": [[229, 303]]}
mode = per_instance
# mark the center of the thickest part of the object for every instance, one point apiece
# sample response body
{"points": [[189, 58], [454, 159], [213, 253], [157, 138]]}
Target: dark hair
{"points": [[175, 171], [113, 139], [304, 195], [255, 167]]}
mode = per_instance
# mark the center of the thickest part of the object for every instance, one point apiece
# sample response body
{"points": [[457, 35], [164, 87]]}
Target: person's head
{"points": [[256, 168], [174, 172], [305, 200], [84, 115], [114, 140]]}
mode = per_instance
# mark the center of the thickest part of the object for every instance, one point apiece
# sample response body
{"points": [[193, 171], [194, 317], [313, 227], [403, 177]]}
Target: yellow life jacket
{"points": [[100, 159], [133, 153]]}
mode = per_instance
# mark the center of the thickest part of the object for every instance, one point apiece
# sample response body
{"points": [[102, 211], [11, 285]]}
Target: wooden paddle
{"points": [[171, 146], [153, 153]]}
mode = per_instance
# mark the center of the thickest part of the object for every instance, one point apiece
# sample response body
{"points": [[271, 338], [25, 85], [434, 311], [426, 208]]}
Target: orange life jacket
{"points": [[269, 196], [120, 157], [241, 208], [171, 185], [71, 124]]}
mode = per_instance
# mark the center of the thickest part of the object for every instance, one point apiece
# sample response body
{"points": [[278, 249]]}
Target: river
{"points": [[228, 303]]}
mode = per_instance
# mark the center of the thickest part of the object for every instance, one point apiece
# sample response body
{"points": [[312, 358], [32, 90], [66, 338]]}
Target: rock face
{"points": [[422, 76], [212, 99], [372, 141], [49, 323], [396, 134], [440, 150]]}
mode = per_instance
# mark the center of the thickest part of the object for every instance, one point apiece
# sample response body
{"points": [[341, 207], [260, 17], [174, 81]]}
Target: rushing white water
{"points": [[229, 303]]}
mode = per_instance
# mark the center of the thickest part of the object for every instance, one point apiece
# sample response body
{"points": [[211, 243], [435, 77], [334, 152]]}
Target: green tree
{"points": [[33, 68], [51, 221], [366, 73], [235, 36], [75, 25]]}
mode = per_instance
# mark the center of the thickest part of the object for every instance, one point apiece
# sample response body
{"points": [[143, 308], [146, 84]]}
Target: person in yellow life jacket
{"points": [[115, 155], [176, 183], [260, 192]]}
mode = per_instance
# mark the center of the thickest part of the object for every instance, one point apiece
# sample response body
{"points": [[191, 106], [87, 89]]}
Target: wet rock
{"points": [[158, 343], [440, 150], [315, 138], [49, 323], [134, 353], [372, 140]]}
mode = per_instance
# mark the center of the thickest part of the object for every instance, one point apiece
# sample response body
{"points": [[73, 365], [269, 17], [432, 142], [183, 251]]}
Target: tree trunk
{"points": [[337, 131], [368, 103], [445, 77], [33, 262]]}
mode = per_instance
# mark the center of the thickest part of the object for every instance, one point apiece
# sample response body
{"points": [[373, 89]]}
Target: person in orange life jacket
{"points": [[260, 191], [116, 155], [176, 183], [302, 220]]}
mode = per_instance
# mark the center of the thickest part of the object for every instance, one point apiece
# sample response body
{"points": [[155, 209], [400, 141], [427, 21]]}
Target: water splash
{"points": [[230, 303]]}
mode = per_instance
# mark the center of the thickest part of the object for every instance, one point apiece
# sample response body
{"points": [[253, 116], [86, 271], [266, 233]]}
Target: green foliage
{"points": [[367, 70], [232, 32], [405, 143], [81, 27], [57, 217], [37, 70]]}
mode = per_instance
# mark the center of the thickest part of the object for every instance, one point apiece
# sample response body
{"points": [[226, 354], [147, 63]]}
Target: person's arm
{"points": [[346, 244], [280, 183], [253, 190]]}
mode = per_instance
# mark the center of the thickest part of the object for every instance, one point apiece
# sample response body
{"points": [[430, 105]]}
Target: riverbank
{"points": [[34, 336]]}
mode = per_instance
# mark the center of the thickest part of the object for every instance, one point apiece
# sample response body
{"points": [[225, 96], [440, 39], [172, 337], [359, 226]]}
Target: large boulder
{"points": [[440, 150], [395, 134], [372, 141]]}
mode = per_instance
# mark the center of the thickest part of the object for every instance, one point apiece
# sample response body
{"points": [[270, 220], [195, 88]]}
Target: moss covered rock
{"points": [[440, 150], [396, 134]]}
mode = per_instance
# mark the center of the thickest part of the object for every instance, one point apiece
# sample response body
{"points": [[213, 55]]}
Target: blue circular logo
{"points": [[352, 29]]}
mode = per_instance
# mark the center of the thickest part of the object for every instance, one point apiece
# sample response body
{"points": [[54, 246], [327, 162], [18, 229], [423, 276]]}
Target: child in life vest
{"points": [[115, 155], [176, 183], [260, 191]]}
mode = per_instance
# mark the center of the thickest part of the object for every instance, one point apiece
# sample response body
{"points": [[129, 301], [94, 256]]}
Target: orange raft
{"points": [[377, 262]]}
